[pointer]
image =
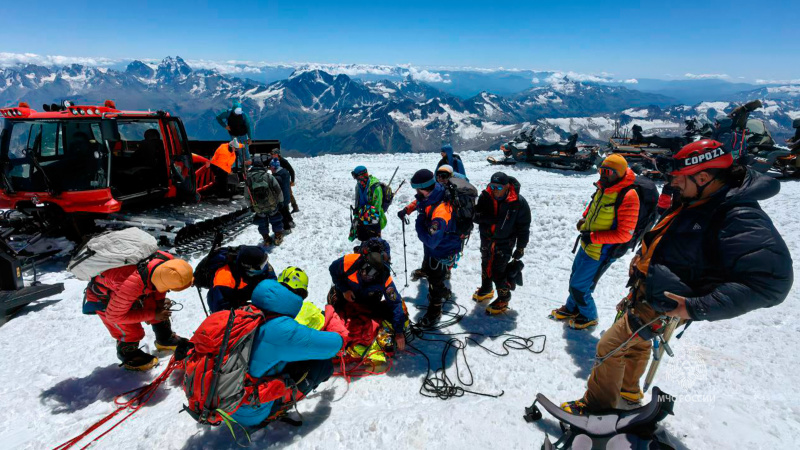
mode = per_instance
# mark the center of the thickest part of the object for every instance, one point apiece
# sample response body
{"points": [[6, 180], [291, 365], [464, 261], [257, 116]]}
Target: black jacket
{"points": [[725, 255], [284, 180], [504, 222], [285, 164]]}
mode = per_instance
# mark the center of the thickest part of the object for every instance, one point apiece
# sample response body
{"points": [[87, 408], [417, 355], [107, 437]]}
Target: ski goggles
{"points": [[606, 171], [256, 270], [666, 164], [496, 187]]}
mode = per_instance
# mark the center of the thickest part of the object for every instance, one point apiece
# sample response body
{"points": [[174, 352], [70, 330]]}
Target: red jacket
{"points": [[126, 289]]}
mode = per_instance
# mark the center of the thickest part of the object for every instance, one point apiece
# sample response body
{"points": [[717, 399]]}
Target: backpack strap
{"points": [[141, 266]]}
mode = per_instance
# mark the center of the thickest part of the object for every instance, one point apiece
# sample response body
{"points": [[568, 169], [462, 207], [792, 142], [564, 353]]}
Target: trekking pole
{"points": [[659, 350], [200, 294], [405, 258], [392, 179]]}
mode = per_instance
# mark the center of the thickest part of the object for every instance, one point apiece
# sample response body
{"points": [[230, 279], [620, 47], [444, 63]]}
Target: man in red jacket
{"points": [[136, 293]]}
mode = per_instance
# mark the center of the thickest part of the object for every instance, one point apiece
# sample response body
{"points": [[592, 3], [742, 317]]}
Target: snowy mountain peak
{"points": [[173, 68], [140, 70]]}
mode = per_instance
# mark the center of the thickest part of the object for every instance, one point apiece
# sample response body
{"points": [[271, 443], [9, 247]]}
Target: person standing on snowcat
{"points": [[126, 296], [238, 124], [606, 222], [504, 220], [225, 182], [452, 160], [437, 229], [368, 215], [714, 255]]}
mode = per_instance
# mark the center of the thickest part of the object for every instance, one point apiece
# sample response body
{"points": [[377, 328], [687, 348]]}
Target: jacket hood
{"points": [[436, 196], [274, 297], [755, 187]]}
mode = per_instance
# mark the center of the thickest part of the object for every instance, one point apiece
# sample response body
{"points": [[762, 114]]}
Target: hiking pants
{"points": [[291, 198], [264, 221], [286, 215], [586, 272], [243, 152], [621, 371], [494, 261], [222, 183], [310, 375], [125, 332], [436, 271]]}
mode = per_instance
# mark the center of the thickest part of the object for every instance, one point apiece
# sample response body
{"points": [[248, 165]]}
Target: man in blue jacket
{"points": [[452, 160], [436, 228], [284, 346], [238, 124], [284, 179]]}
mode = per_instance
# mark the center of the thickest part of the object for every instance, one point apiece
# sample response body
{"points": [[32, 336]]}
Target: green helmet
{"points": [[295, 280]]}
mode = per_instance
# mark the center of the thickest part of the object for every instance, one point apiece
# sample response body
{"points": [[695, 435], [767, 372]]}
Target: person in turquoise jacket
{"points": [[284, 346], [238, 124]]}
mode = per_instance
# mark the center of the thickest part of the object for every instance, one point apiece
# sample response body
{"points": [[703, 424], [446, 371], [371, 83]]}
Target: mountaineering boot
{"points": [[278, 239], [481, 296], [418, 274], [632, 398], [433, 314], [500, 305], [581, 322], [133, 358], [268, 242], [577, 407], [562, 313], [166, 339]]}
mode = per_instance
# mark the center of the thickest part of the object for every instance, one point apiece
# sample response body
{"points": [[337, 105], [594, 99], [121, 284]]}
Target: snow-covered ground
{"points": [[735, 380]]}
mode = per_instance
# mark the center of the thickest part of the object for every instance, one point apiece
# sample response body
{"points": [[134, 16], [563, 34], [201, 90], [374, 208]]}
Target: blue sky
{"points": [[657, 39]]}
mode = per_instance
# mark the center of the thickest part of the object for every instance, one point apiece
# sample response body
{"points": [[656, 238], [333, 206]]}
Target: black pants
{"points": [[436, 273], [495, 257], [223, 182], [287, 216]]}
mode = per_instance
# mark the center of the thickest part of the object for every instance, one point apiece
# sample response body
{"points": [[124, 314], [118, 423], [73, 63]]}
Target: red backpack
{"points": [[217, 381]]}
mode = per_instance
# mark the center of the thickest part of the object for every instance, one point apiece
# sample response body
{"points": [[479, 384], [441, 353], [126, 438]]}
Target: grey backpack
{"points": [[111, 250]]}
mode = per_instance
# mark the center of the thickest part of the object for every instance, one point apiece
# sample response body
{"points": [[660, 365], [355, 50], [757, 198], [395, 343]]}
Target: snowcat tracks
{"points": [[186, 229]]}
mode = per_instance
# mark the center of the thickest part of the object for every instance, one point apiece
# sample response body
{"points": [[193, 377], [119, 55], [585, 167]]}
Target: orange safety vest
{"points": [[351, 259], [224, 158]]}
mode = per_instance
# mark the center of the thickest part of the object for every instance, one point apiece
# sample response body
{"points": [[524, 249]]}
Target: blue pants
{"points": [[263, 221], [243, 152], [586, 272]]}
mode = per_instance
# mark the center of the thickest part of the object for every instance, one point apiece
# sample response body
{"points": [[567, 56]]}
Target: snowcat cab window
{"points": [[138, 160]]}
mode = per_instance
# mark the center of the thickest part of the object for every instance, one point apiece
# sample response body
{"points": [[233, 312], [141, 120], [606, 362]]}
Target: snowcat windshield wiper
{"points": [[48, 185]]}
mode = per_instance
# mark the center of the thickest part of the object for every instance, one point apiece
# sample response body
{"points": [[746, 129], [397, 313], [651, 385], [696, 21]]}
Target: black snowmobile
{"points": [[615, 430], [567, 156]]}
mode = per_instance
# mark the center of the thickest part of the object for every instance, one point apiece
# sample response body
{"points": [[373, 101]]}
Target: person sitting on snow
{"points": [[363, 287], [284, 346], [234, 283], [129, 295]]}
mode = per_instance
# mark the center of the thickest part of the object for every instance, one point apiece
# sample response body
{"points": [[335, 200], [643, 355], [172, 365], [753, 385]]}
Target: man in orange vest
{"points": [[222, 166]]}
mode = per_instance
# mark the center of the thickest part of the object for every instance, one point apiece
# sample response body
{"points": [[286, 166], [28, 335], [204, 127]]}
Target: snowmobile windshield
{"points": [[52, 156]]}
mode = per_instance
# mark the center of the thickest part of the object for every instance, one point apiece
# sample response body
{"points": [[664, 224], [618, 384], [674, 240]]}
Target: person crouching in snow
{"points": [[363, 287], [504, 219], [234, 283], [603, 225], [136, 293], [284, 346], [714, 255]]}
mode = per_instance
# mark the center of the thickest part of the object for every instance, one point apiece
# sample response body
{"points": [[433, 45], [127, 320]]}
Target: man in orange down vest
{"points": [[222, 166], [603, 225]]}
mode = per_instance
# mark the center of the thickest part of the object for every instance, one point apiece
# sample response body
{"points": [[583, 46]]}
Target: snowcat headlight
{"points": [[97, 111], [74, 112], [81, 112]]}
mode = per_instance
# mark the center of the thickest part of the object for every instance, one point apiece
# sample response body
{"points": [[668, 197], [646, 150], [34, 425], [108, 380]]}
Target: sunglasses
{"points": [[357, 175], [606, 171], [496, 187]]}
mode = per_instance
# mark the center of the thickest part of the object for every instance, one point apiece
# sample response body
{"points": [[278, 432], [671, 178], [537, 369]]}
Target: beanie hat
{"points": [[499, 178], [422, 179], [251, 256], [617, 163], [172, 275], [445, 168]]}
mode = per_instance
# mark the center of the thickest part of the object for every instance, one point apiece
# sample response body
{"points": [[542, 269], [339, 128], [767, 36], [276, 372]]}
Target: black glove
{"points": [[586, 237], [183, 349], [518, 253], [402, 214]]}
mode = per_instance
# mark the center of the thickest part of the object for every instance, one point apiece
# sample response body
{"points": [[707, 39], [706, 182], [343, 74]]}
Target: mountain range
{"points": [[313, 111]]}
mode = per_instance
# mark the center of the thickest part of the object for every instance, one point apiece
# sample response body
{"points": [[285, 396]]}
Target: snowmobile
{"points": [[567, 156], [637, 428], [73, 170], [774, 159]]}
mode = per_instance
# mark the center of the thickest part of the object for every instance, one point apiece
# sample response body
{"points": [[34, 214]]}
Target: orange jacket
{"points": [[224, 158]]}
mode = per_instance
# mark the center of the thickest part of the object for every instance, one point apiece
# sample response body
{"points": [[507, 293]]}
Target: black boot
{"points": [[166, 339], [433, 314], [133, 358]]}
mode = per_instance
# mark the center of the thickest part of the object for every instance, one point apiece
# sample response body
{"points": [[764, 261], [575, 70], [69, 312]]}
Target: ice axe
{"points": [[215, 244], [659, 350]]}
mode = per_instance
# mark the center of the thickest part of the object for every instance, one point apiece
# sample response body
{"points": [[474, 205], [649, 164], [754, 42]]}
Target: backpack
{"points": [[462, 196], [215, 260], [111, 250], [216, 381], [263, 186], [648, 212], [388, 194], [103, 294], [237, 124]]}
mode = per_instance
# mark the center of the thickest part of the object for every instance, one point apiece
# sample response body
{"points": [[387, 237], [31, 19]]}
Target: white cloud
{"points": [[425, 75], [227, 67], [12, 59], [575, 76], [631, 81], [795, 81], [535, 80], [706, 76]]}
